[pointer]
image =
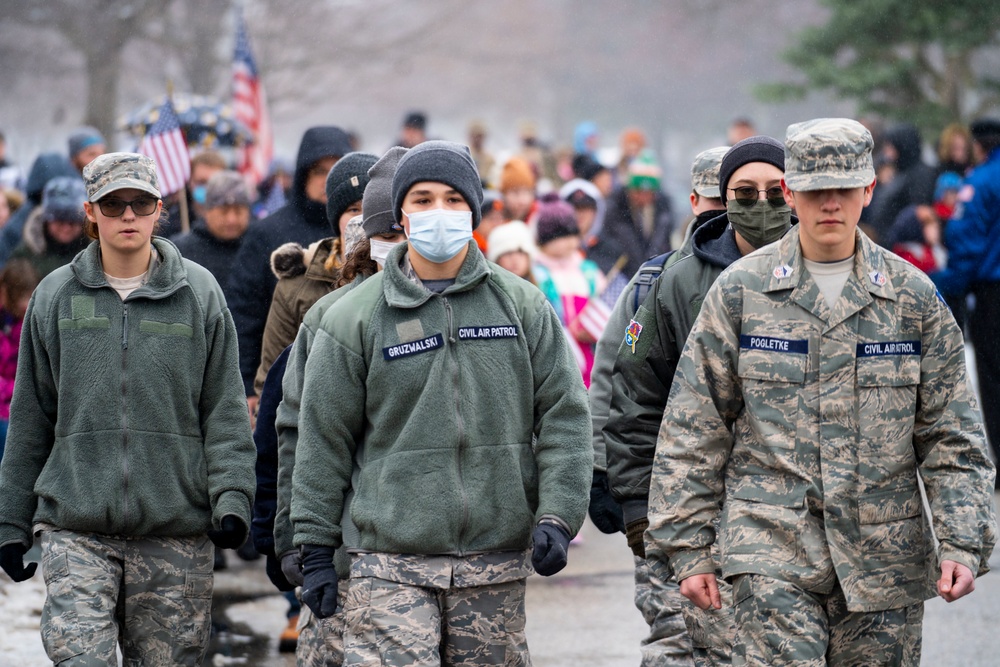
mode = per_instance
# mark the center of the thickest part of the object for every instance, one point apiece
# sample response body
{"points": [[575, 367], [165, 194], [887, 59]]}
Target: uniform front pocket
{"points": [[887, 404], [772, 392]]}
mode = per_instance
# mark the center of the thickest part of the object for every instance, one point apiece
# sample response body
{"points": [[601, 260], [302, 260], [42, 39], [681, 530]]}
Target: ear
{"points": [[88, 209], [869, 190], [694, 200], [789, 195]]}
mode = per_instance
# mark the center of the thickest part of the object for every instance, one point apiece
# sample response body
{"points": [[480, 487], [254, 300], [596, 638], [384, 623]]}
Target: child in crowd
{"points": [[565, 276], [17, 281], [512, 247]]}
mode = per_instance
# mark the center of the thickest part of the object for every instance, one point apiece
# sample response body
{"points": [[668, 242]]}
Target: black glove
{"points": [[633, 534], [319, 585], [291, 567], [604, 511], [272, 566], [233, 533], [12, 562], [548, 555]]}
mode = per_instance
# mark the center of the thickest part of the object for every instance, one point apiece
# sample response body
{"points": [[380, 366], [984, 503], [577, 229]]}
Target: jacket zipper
{"points": [[125, 470], [461, 425]]}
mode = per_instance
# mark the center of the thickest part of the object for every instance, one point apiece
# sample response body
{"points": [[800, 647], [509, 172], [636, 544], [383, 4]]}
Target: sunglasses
{"points": [[114, 207], [747, 196]]}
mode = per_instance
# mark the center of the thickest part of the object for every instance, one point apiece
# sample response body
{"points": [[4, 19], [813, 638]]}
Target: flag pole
{"points": [[182, 202]]}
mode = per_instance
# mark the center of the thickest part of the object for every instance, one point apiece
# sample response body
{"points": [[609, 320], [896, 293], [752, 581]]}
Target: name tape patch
{"points": [[888, 348], [774, 344], [413, 347], [487, 332]]}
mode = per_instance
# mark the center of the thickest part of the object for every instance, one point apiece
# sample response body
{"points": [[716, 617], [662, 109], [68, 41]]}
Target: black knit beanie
{"points": [[753, 149], [442, 162], [345, 184]]}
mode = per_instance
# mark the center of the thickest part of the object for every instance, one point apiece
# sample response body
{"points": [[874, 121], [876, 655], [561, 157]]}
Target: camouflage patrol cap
{"points": [[118, 171], [705, 171], [828, 153]]}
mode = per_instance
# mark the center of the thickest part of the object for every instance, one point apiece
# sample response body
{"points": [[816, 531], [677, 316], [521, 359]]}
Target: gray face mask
{"points": [[761, 223]]}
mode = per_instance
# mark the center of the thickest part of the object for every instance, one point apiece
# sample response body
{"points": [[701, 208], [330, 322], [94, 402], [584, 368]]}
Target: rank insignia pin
{"points": [[877, 277], [783, 271]]}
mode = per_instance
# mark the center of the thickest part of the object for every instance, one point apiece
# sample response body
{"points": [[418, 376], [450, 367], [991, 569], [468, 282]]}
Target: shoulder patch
{"points": [[632, 332]]}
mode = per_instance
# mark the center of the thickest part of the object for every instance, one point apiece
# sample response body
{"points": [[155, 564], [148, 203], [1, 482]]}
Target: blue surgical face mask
{"points": [[438, 235], [198, 194]]}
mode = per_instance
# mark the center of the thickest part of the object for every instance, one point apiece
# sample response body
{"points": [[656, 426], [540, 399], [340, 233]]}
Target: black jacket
{"points": [[301, 220], [265, 502], [622, 231], [216, 255], [913, 184]]}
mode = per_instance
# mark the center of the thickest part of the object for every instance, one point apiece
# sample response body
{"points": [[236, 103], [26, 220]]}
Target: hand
{"points": [[272, 566], [291, 567], [12, 562], [231, 534], [319, 586], [548, 555], [956, 580], [604, 511], [702, 590], [634, 535], [252, 407]]}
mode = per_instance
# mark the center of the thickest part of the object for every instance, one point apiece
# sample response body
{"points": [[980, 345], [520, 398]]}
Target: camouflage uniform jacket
{"points": [[468, 410], [127, 417], [815, 423]]}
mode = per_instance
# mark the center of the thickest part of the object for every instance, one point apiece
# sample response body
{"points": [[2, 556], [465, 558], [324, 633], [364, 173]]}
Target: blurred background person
{"points": [[17, 282], [485, 162], [631, 143], [215, 237], [10, 201], [45, 167], [954, 149], [414, 129], [740, 128], [493, 217], [11, 176], [512, 247], [639, 218], [517, 187], [912, 183], [54, 234], [84, 145]]}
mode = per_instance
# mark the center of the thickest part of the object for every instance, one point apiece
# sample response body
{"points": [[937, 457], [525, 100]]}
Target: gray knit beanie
{"points": [[442, 162], [376, 206], [345, 184], [752, 149]]}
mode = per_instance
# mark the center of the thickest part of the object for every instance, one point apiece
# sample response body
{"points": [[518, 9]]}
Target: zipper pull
{"points": [[451, 324], [125, 328]]}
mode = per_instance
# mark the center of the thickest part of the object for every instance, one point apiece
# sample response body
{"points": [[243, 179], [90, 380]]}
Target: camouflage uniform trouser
{"points": [[680, 634], [321, 641], [437, 621], [153, 596], [780, 623]]}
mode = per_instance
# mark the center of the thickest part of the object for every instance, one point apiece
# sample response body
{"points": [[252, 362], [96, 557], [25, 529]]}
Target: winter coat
{"points": [[46, 167], [216, 255], [622, 230], [913, 183], [302, 221], [10, 338], [302, 279], [127, 417], [642, 374], [972, 236], [467, 405], [41, 250]]}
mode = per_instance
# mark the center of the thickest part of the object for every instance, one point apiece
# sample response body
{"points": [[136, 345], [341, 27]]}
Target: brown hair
{"points": [[208, 159], [358, 263], [944, 142], [18, 279]]}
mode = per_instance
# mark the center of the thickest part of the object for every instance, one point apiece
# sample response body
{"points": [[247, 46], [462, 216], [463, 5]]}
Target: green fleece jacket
{"points": [[469, 410], [128, 418]]}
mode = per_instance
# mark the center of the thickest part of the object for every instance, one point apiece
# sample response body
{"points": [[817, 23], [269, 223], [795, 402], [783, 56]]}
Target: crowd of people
{"points": [[403, 380]]}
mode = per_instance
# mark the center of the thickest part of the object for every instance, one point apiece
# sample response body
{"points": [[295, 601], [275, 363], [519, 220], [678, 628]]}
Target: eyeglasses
{"points": [[747, 196], [114, 207]]}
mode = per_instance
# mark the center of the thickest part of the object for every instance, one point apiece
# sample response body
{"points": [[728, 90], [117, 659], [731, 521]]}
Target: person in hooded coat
{"points": [[913, 184], [46, 167], [301, 220]]}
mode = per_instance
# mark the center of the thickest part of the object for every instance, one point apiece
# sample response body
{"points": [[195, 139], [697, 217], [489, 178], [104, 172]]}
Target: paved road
{"points": [[584, 615]]}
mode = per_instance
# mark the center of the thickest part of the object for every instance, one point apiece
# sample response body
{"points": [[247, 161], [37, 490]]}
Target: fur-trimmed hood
{"points": [[291, 259]]}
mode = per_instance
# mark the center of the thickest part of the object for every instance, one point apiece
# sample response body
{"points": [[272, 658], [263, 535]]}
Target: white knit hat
{"points": [[510, 237]]}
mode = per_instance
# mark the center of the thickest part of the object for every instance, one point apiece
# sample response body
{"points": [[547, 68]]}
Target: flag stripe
{"points": [[250, 107], [165, 143]]}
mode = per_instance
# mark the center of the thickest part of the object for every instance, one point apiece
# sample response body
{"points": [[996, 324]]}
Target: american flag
{"points": [[595, 315], [164, 142], [250, 105]]}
